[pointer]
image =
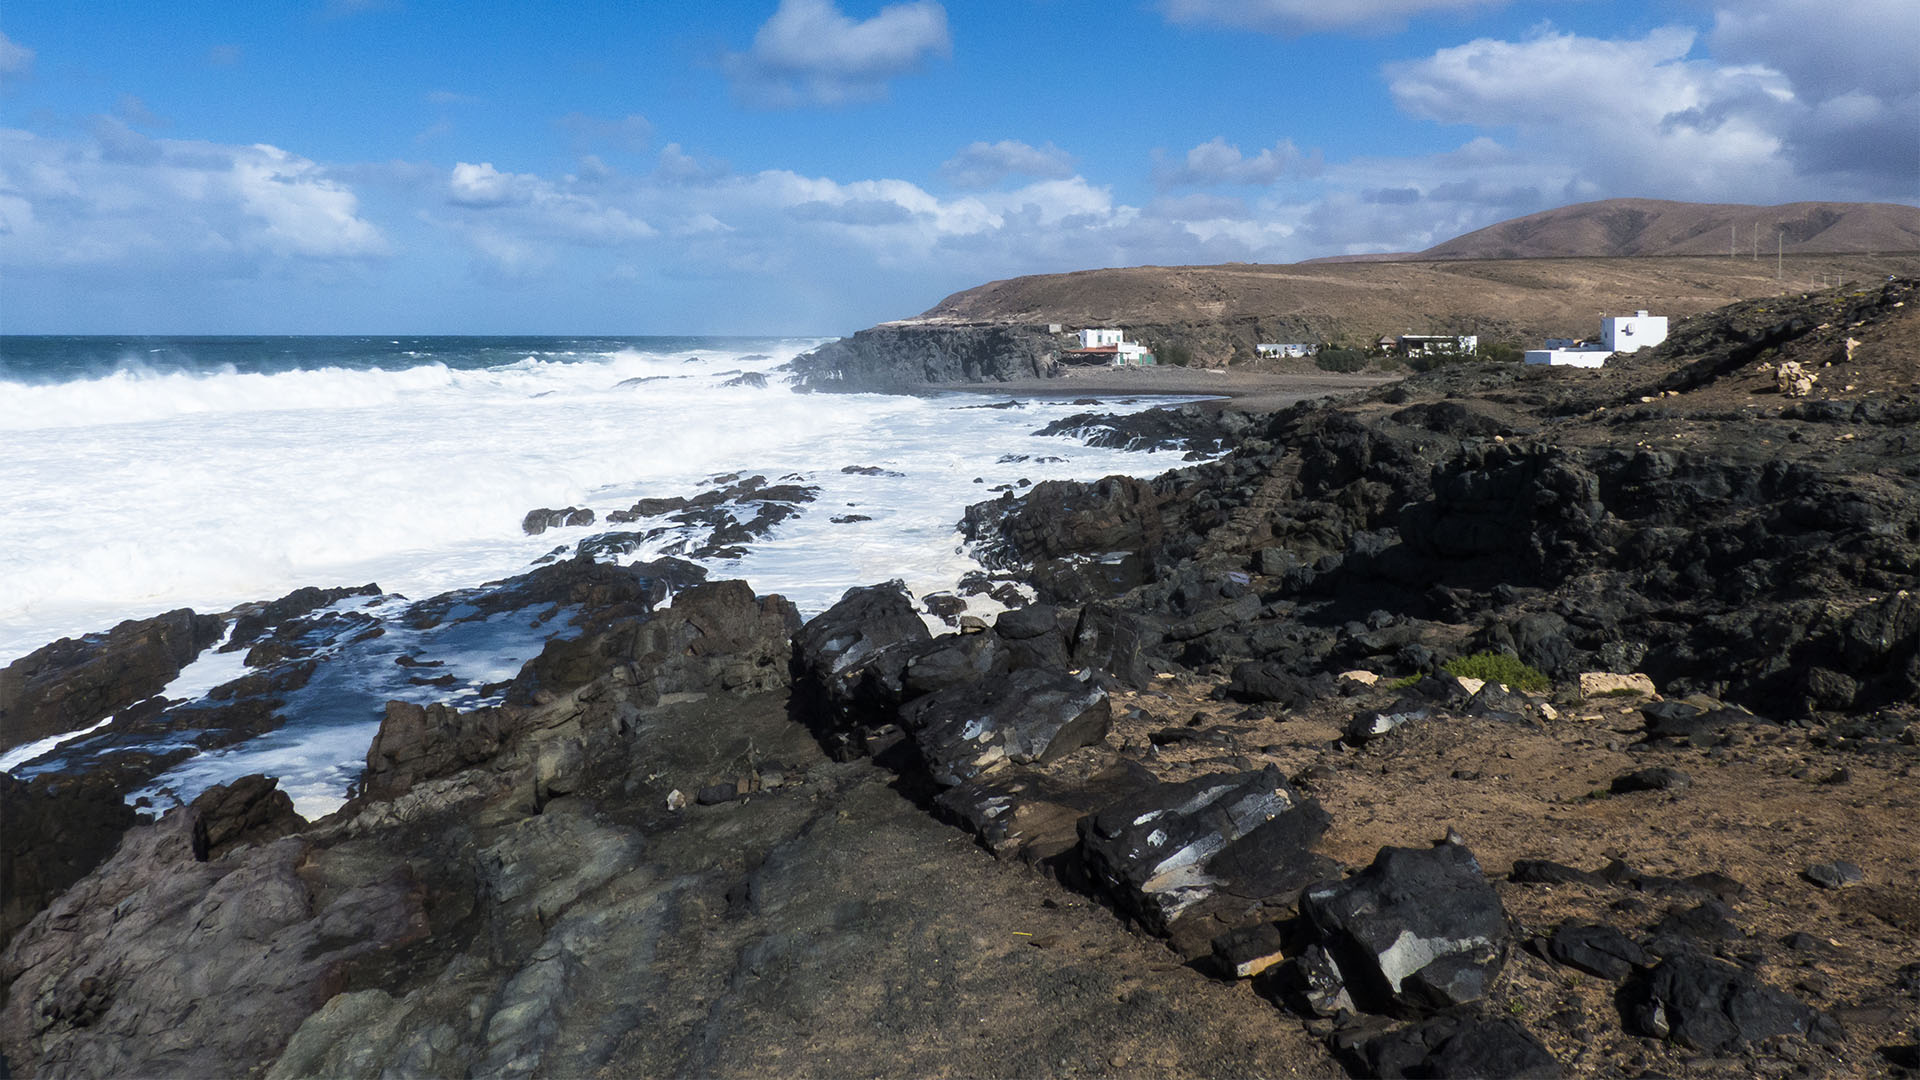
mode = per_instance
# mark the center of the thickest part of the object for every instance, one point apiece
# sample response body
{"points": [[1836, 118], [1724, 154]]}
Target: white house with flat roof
{"points": [[1107, 345], [1618, 334], [1276, 351]]}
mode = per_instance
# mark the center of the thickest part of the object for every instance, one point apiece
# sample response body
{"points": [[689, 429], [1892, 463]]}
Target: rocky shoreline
{"points": [[1497, 722]]}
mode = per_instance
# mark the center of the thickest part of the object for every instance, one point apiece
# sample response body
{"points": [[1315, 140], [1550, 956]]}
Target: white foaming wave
{"points": [[134, 394]]}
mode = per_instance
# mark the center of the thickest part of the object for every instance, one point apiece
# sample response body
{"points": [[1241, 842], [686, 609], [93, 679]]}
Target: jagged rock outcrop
{"points": [[905, 357], [76, 682]]}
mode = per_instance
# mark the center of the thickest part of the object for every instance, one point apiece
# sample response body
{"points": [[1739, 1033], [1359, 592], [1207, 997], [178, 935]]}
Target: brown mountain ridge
{"points": [[1656, 227]]}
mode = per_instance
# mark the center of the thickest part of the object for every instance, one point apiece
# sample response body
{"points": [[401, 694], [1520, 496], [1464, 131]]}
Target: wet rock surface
{"points": [[76, 682]]}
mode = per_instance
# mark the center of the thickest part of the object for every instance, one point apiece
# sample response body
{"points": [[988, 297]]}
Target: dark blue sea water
{"points": [[49, 358]]}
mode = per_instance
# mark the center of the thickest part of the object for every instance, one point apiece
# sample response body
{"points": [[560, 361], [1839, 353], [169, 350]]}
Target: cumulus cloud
{"points": [[1217, 161], [1630, 115], [127, 201], [15, 60], [1296, 16], [1855, 78], [985, 165], [811, 53]]}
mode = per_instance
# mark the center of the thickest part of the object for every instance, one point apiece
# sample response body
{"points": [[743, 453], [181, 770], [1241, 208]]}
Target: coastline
{"points": [[1248, 391]]}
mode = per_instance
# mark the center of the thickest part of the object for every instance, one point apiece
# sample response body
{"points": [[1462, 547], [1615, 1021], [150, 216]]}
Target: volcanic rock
{"points": [[1026, 717], [1418, 931], [76, 682], [1187, 857], [1710, 1006]]}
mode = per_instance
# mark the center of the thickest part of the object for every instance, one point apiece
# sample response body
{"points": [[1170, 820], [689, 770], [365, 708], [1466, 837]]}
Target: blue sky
{"points": [[813, 166]]}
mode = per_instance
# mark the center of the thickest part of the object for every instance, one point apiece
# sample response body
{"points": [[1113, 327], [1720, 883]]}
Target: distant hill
{"points": [[1615, 228], [1218, 313]]}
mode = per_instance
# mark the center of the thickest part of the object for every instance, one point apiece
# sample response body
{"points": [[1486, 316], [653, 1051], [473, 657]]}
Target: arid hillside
{"points": [[1220, 312], [1643, 227]]}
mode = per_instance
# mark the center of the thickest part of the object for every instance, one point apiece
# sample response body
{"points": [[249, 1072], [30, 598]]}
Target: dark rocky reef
{"points": [[77, 682], [896, 357], [1715, 538]]}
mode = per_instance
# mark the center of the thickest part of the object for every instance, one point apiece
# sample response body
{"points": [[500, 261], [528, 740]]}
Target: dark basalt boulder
{"points": [[57, 829], [1026, 717], [1596, 950], [1416, 932], [77, 682], [714, 638], [1194, 859], [1710, 1006], [849, 663], [250, 810], [954, 660], [754, 379], [1037, 636], [1454, 1045], [539, 521], [416, 743]]}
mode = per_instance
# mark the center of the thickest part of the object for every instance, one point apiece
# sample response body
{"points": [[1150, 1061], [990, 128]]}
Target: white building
{"points": [[1618, 334], [1108, 346], [1631, 333], [1285, 350]]}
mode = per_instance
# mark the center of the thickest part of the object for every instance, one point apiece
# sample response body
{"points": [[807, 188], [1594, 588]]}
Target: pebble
{"points": [[1835, 875]]}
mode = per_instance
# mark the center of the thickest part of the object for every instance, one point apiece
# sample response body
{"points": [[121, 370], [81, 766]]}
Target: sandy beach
{"points": [[1250, 390]]}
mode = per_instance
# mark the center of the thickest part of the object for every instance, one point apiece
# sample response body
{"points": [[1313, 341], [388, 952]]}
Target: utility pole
{"points": [[1779, 256], [1733, 241]]}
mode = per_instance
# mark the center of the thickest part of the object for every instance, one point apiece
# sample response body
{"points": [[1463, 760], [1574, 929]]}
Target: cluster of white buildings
{"points": [[1618, 334]]}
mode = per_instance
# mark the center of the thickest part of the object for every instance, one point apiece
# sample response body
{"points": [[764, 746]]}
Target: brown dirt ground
{"points": [[1760, 811]]}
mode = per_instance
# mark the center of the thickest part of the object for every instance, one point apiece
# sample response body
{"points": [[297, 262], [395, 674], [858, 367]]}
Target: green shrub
{"points": [[1168, 352], [1502, 352], [1341, 360], [1498, 667]]}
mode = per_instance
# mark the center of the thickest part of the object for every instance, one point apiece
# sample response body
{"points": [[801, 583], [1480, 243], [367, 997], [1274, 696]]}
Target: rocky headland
{"points": [[1499, 721]]}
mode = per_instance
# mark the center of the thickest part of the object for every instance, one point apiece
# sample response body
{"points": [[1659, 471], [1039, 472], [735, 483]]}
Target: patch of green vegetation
{"points": [[1403, 683], [1171, 352], [1340, 360], [1501, 352], [1498, 667]]}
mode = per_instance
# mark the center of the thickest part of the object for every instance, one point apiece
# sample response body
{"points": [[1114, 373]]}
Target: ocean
{"points": [[146, 474]]}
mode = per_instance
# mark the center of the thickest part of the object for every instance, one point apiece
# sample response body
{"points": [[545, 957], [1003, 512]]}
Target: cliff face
{"points": [[897, 357]]}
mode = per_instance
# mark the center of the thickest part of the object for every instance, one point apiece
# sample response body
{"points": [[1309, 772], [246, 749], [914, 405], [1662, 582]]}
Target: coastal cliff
{"points": [[905, 357]]}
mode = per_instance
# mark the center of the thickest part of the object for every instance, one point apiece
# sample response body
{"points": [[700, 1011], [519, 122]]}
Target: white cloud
{"points": [[986, 165], [1295, 16], [1630, 116], [1855, 71], [123, 201], [810, 53], [1217, 161], [15, 60]]}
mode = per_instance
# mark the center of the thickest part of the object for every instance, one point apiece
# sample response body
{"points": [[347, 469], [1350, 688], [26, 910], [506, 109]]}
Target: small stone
{"points": [[1364, 678], [1658, 778], [1835, 875], [1598, 684], [676, 799]]}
